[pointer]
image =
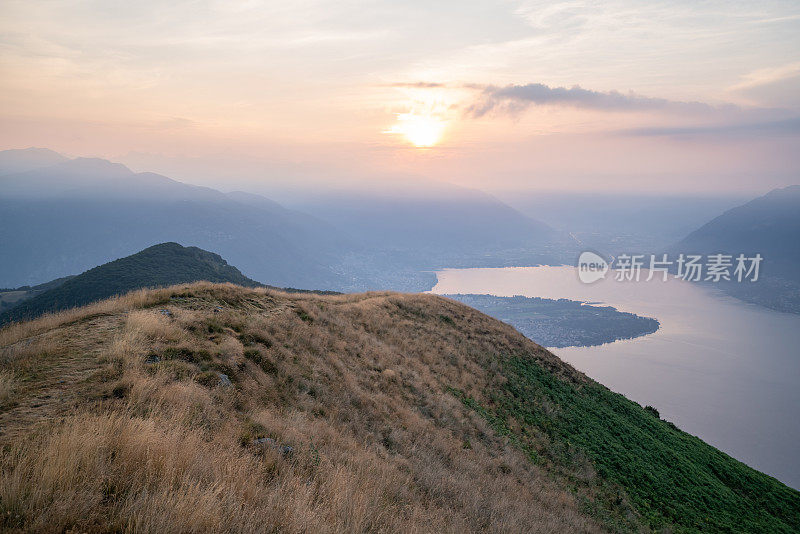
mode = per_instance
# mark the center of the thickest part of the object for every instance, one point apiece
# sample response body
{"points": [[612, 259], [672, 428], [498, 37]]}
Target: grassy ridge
{"points": [[672, 478], [116, 418], [120, 416]]}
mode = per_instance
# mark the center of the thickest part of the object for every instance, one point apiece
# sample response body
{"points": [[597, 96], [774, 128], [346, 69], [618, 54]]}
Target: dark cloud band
{"points": [[514, 98]]}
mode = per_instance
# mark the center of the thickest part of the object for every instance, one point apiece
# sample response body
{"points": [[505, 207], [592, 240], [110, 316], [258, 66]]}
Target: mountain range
{"points": [[61, 218]]}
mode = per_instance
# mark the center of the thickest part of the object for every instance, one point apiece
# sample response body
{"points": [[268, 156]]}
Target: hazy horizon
{"points": [[670, 97]]}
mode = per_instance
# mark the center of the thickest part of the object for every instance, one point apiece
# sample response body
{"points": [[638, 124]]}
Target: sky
{"points": [[506, 95]]}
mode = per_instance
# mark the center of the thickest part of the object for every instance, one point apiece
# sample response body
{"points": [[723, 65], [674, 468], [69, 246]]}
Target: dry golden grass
{"points": [[146, 438], [6, 386], [135, 299]]}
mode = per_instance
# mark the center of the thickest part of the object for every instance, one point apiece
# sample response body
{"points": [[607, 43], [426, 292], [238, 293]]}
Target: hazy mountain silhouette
{"points": [[26, 159], [74, 215], [436, 225], [95, 177], [768, 225], [623, 223], [65, 218]]}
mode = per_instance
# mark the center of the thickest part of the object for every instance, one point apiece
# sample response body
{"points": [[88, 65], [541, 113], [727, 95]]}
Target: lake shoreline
{"points": [[561, 323], [719, 368]]}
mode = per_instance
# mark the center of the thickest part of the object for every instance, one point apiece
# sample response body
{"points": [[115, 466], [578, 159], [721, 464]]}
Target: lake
{"points": [[723, 370]]}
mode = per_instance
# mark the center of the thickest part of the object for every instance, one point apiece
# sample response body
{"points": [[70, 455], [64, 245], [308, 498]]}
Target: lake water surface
{"points": [[720, 369]]}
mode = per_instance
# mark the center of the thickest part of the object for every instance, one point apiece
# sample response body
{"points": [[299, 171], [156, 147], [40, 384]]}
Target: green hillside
{"points": [[161, 265], [672, 479]]}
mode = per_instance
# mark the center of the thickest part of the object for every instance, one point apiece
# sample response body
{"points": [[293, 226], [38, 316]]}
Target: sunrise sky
{"points": [[633, 96]]}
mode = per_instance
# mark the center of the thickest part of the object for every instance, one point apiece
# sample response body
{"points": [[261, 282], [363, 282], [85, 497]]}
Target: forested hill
{"points": [[161, 265]]}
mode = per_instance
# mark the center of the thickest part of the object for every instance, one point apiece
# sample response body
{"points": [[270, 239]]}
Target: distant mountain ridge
{"points": [[161, 265], [447, 227], [96, 177], [769, 226], [446, 218], [26, 159], [65, 218], [60, 216]]}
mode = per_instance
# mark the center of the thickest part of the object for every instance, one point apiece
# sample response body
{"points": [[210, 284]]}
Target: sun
{"points": [[421, 131]]}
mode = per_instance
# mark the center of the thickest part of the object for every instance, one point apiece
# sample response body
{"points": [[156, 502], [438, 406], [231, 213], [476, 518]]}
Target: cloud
{"points": [[779, 86], [724, 120], [782, 127], [515, 98], [767, 76]]}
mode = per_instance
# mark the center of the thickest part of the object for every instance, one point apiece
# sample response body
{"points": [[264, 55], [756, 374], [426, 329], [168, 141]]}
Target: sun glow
{"points": [[420, 130]]}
